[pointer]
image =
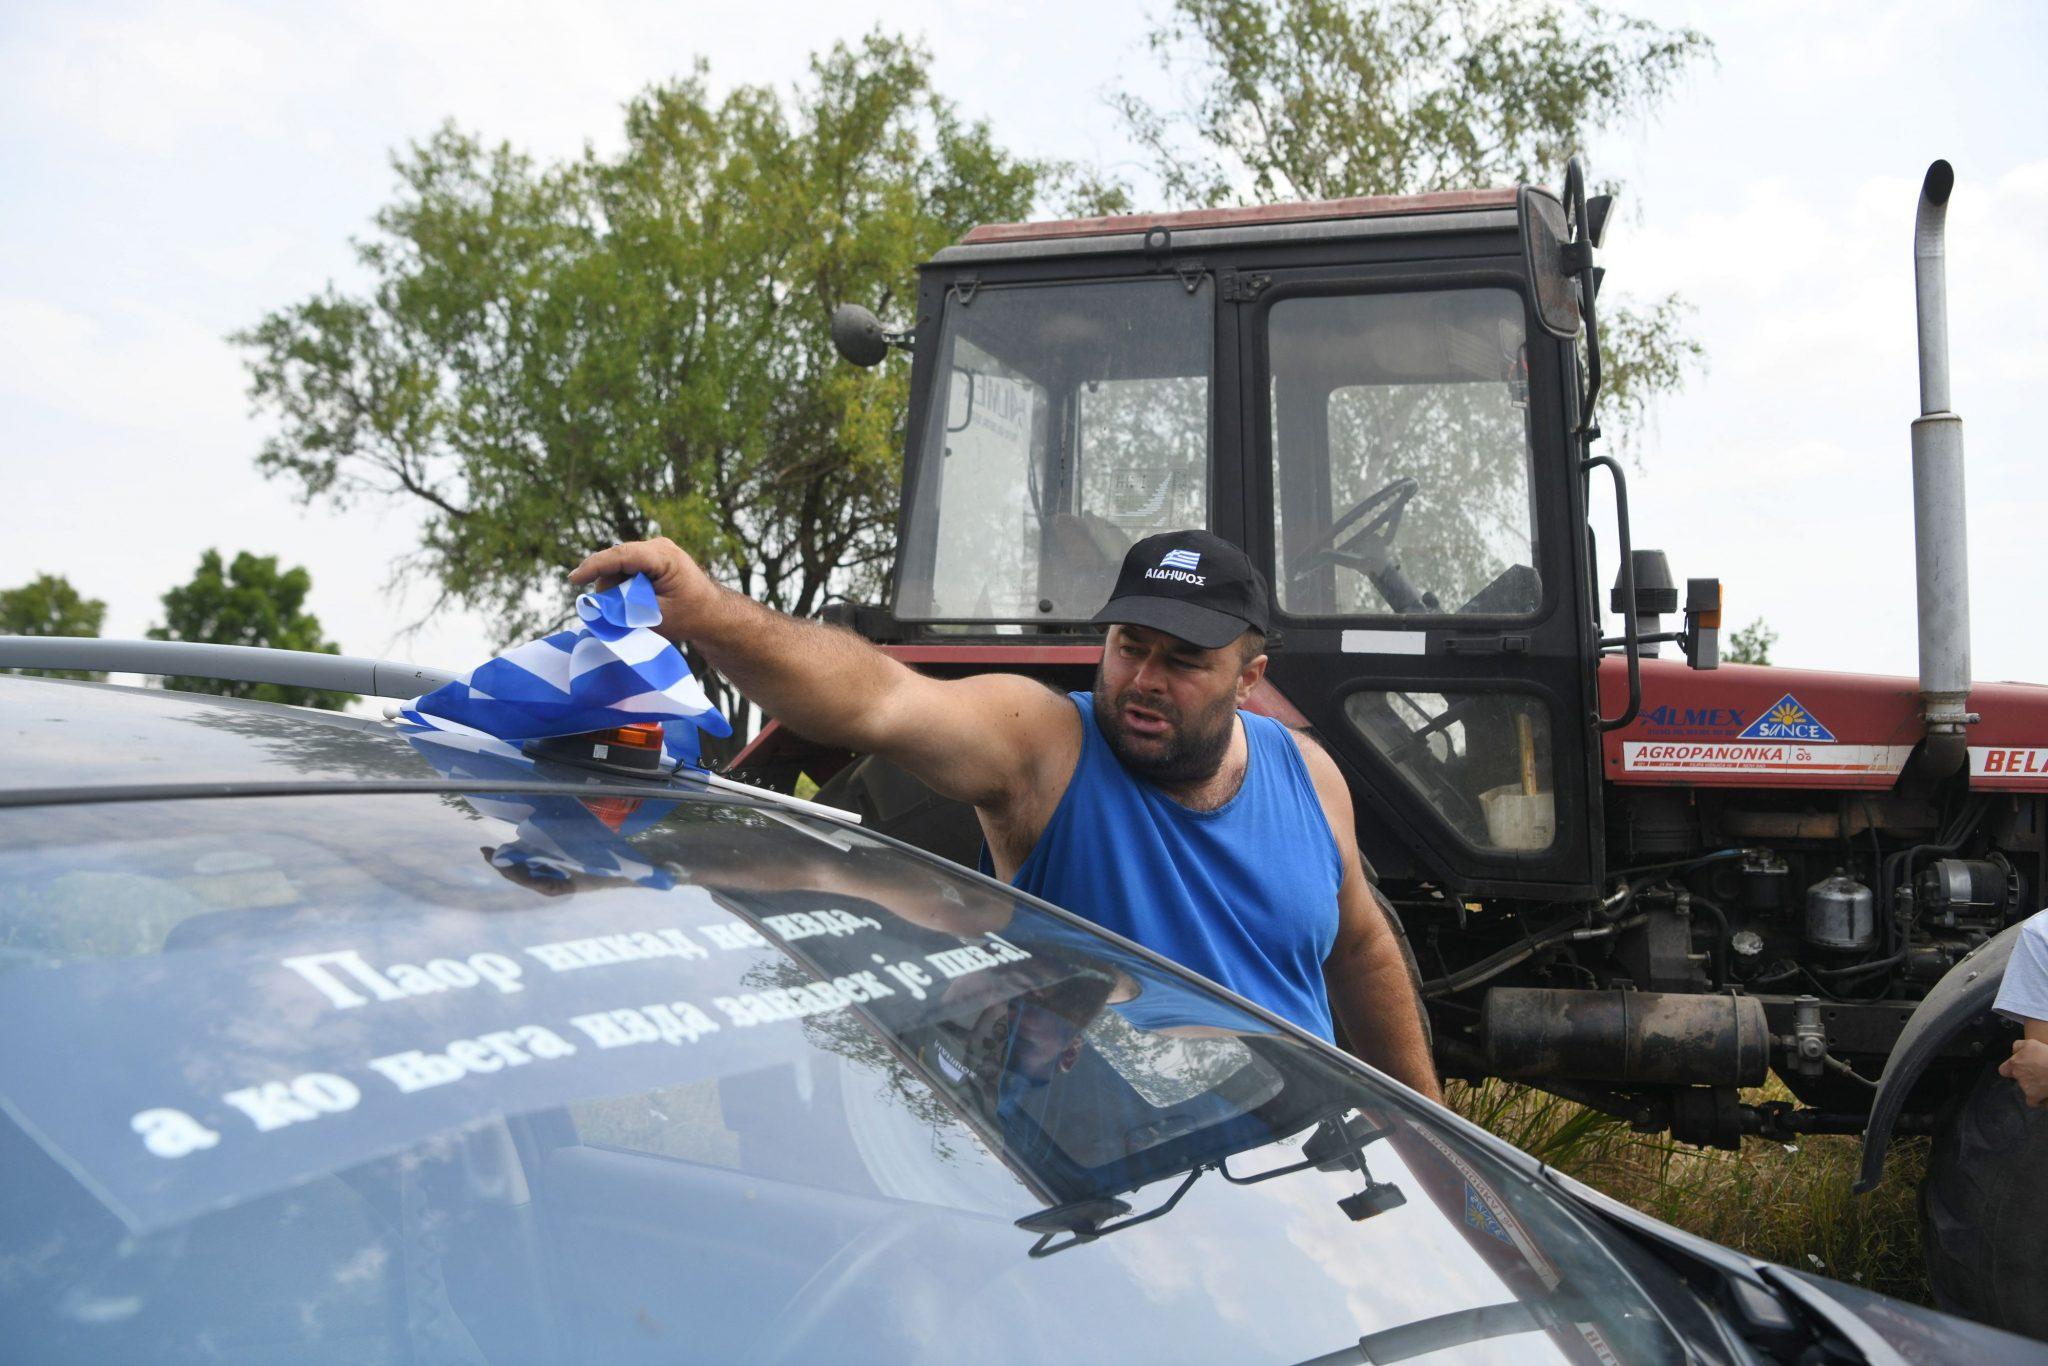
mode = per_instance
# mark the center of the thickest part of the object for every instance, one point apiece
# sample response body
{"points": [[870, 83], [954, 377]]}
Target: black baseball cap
{"points": [[1189, 584]]}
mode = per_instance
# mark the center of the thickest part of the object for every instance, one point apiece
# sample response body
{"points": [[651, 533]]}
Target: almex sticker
{"points": [[1702, 722], [1787, 719]]}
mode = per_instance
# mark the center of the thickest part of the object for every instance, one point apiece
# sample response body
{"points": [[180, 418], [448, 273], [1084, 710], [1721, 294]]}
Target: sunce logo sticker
{"points": [[1786, 719]]}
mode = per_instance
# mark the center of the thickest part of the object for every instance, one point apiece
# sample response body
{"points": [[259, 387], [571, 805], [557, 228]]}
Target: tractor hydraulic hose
{"points": [[1494, 964], [1855, 970], [1682, 864]]}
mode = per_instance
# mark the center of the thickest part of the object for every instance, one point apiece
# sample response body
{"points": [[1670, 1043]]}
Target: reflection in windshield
{"points": [[356, 1095]]}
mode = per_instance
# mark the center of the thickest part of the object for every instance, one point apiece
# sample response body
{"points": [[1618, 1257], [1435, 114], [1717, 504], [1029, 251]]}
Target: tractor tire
{"points": [[1984, 1208]]}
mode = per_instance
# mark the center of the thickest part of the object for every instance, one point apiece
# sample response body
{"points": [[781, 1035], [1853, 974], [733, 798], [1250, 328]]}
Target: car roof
{"points": [[60, 735]]}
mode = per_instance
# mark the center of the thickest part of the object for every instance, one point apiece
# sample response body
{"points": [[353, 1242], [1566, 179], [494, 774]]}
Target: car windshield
{"points": [[436, 1077]]}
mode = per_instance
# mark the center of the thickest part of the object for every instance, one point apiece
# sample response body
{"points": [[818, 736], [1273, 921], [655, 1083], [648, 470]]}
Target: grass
{"points": [[1786, 1202]]}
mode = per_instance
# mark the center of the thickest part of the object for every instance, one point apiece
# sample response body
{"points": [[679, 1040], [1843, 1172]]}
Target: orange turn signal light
{"points": [[641, 735]]}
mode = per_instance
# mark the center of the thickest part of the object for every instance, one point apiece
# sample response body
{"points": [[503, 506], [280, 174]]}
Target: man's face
{"points": [[1167, 707]]}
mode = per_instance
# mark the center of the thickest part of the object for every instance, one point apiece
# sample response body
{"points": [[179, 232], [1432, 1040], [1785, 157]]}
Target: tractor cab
{"points": [[1638, 887], [1376, 398]]}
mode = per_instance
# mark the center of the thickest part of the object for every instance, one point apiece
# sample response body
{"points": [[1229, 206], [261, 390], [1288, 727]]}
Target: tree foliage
{"points": [[249, 602], [1322, 99], [48, 605], [550, 358], [1752, 644]]}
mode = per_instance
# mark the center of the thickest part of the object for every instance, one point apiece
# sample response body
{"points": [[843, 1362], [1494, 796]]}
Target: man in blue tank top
{"points": [[1154, 805]]}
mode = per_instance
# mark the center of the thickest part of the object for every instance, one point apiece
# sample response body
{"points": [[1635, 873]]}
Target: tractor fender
{"points": [[1958, 1000]]}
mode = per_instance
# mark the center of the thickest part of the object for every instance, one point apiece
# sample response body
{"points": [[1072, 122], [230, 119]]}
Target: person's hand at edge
{"points": [[2028, 1066]]}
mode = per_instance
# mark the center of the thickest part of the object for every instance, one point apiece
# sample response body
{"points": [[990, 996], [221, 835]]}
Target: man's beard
{"points": [[1195, 746]]}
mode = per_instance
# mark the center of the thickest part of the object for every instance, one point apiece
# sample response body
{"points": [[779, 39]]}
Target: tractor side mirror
{"points": [[858, 336], [1545, 233]]}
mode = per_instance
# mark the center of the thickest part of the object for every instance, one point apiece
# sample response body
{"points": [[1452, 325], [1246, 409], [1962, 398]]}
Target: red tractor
{"points": [[1632, 878]]}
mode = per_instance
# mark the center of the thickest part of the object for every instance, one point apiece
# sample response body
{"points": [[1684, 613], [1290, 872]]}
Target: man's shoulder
{"points": [[1320, 765], [1332, 792]]}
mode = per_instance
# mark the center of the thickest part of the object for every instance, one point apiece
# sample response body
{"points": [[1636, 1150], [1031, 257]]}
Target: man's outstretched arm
{"points": [[1371, 992], [976, 740]]}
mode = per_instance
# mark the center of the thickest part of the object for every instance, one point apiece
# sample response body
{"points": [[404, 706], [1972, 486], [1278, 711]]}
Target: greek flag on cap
{"points": [[611, 669]]}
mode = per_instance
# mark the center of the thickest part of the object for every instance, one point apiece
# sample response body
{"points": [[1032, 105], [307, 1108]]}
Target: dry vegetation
{"points": [[1789, 1203]]}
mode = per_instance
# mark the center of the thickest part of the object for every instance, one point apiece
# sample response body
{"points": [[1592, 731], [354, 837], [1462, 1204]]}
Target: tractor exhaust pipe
{"points": [[1940, 529]]}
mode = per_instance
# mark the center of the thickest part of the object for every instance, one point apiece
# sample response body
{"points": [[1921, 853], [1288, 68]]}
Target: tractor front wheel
{"points": [[1984, 1208]]}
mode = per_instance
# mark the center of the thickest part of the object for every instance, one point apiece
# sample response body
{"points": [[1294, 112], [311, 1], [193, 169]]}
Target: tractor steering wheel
{"points": [[1370, 550]]}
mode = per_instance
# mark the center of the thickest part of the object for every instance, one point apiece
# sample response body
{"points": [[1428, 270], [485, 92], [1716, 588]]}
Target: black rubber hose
{"points": [[1683, 863]]}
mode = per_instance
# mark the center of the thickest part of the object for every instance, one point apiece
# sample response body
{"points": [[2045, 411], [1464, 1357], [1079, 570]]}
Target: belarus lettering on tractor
{"points": [[1627, 875]]}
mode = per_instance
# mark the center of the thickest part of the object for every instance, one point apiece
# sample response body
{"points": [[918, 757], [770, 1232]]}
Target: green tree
{"points": [[48, 605], [1322, 99], [250, 602], [552, 358], [1752, 644]]}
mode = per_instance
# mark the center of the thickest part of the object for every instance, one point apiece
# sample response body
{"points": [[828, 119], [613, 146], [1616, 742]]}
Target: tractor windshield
{"points": [[1066, 422]]}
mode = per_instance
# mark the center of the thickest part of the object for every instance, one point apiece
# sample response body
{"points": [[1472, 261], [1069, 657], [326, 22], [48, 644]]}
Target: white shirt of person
{"points": [[2023, 994]]}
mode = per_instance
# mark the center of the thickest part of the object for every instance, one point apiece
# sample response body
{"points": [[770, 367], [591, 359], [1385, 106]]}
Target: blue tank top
{"points": [[1246, 894]]}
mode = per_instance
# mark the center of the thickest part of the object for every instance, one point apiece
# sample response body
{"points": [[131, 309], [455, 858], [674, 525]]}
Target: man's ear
{"points": [[1250, 676]]}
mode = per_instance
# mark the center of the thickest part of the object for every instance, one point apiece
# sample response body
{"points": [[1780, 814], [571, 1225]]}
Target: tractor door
{"points": [[1410, 495]]}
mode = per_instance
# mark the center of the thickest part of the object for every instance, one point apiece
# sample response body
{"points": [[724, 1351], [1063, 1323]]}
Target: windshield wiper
{"points": [[1455, 1329]]}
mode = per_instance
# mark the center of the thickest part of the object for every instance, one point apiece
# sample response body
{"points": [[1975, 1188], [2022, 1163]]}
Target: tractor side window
{"points": [[1483, 760], [1073, 420], [1401, 457]]}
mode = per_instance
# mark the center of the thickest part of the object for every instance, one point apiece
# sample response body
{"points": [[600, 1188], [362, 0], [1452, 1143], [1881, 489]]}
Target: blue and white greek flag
{"points": [[611, 669]]}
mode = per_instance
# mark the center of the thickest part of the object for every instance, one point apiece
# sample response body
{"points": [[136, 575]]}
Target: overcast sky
{"points": [[173, 172]]}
